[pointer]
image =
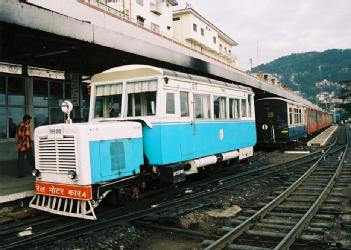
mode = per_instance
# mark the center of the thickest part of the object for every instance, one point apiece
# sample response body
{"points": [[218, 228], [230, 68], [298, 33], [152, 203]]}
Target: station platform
{"points": [[322, 138], [13, 188]]}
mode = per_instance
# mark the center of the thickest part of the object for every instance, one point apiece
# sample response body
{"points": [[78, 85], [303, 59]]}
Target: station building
{"points": [[39, 93]]}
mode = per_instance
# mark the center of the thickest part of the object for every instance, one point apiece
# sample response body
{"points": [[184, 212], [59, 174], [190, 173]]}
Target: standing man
{"points": [[24, 145]]}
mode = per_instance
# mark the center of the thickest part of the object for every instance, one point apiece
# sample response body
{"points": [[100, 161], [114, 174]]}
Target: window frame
{"points": [[8, 106], [209, 99], [225, 107], [175, 95], [189, 104]]}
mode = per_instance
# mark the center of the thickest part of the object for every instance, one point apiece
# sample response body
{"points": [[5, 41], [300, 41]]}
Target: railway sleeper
{"points": [[250, 212], [299, 199], [275, 235], [327, 210], [290, 222], [206, 243]]}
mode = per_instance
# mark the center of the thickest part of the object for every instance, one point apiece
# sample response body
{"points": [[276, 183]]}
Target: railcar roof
{"points": [[133, 71], [292, 102]]}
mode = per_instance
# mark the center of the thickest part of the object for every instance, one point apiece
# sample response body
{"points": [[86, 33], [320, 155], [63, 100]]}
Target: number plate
{"points": [[64, 190], [55, 133]]}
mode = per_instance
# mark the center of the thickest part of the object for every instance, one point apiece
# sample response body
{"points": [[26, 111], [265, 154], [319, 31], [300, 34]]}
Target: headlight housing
{"points": [[72, 174], [36, 173]]}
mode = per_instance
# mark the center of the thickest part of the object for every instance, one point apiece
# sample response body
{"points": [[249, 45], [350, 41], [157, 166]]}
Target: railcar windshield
{"points": [[108, 101], [141, 98]]}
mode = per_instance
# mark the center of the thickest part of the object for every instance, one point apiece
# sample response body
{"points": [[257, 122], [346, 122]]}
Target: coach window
{"points": [[202, 106], [243, 108], [219, 107], [234, 108], [141, 98], [170, 103], [108, 102], [184, 104], [249, 107], [290, 116]]}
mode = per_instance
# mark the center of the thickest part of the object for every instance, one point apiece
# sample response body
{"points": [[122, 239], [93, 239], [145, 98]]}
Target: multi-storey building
{"points": [[197, 32], [155, 15]]}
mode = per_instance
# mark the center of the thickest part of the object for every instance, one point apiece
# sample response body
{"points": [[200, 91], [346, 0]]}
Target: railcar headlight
{"points": [[36, 173], [72, 174]]}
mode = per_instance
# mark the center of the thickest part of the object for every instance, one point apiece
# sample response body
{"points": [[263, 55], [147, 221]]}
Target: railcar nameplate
{"points": [[63, 190]]}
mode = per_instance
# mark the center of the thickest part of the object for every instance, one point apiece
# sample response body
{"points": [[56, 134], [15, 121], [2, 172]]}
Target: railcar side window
{"points": [[170, 103], [249, 107], [219, 107], [243, 108], [141, 98], [184, 104], [202, 106], [290, 116], [234, 108], [108, 102]]}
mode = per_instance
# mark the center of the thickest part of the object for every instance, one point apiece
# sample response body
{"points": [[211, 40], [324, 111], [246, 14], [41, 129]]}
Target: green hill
{"points": [[302, 71]]}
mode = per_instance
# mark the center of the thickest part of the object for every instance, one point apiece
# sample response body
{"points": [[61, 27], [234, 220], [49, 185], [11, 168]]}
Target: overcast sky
{"points": [[278, 27]]}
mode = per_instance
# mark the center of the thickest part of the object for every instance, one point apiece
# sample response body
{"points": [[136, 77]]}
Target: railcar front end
{"points": [[279, 120], [73, 162]]}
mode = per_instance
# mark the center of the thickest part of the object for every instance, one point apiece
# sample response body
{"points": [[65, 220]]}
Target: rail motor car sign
{"points": [[64, 191]]}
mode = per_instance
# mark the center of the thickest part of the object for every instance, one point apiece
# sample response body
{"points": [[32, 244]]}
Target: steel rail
{"points": [[307, 217], [70, 232], [233, 234]]}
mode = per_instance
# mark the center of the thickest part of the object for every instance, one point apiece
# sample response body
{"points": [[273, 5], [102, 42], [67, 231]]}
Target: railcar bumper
{"points": [[67, 200]]}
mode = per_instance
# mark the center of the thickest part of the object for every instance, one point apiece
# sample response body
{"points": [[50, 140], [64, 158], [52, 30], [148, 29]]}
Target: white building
{"points": [[152, 14], [155, 15], [197, 32]]}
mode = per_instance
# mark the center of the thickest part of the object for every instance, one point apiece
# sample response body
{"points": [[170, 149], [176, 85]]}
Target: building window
{"points": [[12, 100], [219, 107], [184, 104], [220, 47], [168, 27], [170, 104], [229, 52], [176, 18], [155, 27], [140, 20], [214, 40], [202, 106], [202, 32], [47, 99], [140, 2], [195, 27]]}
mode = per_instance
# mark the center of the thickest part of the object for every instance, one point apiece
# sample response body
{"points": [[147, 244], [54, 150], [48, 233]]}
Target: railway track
{"points": [[43, 231], [300, 213]]}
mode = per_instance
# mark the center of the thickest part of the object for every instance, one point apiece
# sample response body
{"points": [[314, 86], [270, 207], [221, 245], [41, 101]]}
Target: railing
{"points": [[102, 6]]}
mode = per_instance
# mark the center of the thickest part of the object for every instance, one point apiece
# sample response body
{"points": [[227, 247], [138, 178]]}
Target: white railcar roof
{"points": [[134, 71]]}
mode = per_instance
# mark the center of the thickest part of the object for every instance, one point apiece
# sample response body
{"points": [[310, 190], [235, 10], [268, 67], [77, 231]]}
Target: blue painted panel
{"points": [[115, 159], [297, 132], [176, 142]]}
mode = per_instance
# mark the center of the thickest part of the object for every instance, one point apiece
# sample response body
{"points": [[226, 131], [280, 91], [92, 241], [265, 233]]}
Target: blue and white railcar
{"points": [[143, 120]]}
